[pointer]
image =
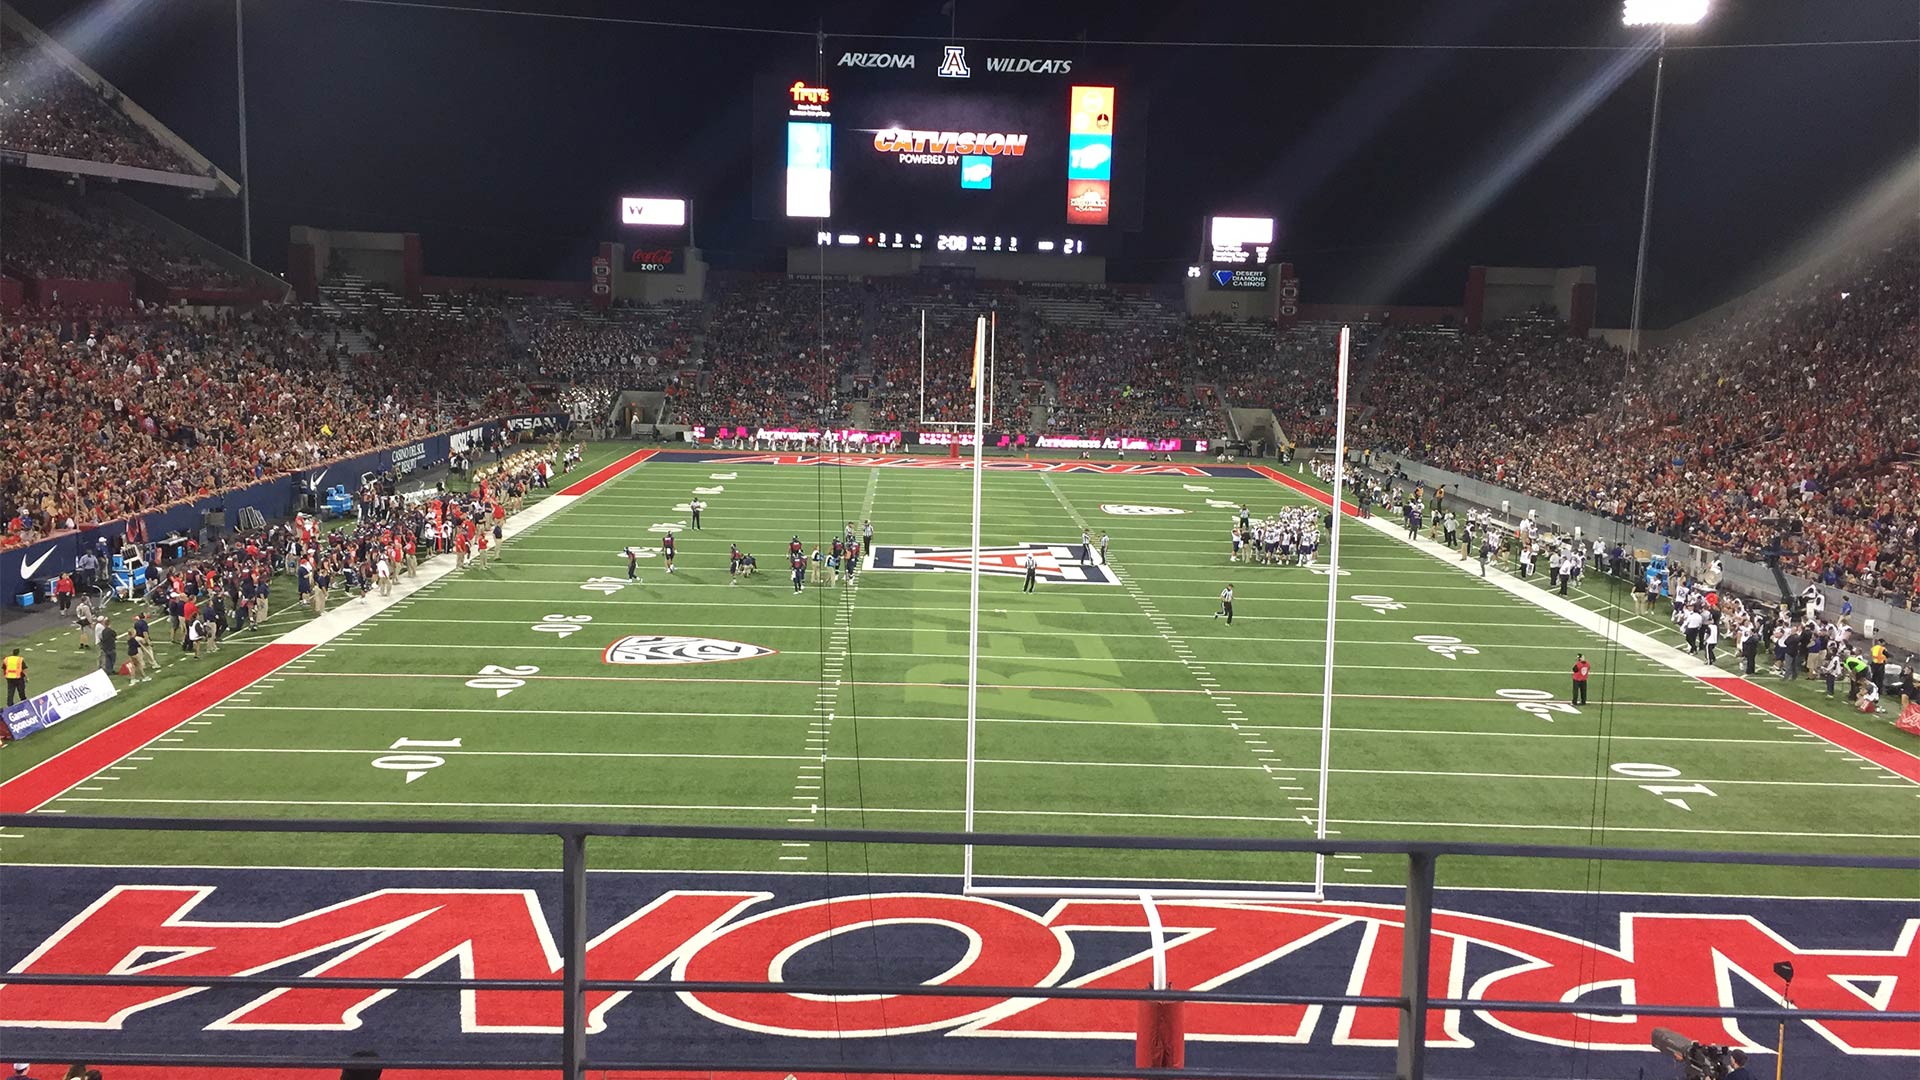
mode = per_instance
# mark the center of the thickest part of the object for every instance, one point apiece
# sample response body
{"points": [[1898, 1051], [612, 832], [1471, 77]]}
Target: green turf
{"points": [[1095, 716]]}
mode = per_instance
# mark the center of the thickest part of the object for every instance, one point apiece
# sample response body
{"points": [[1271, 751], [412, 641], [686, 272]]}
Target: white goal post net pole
{"points": [[923, 365], [973, 587], [1333, 593]]}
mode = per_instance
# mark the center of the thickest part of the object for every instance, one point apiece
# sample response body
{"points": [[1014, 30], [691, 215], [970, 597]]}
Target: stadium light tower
{"points": [[1663, 14]]}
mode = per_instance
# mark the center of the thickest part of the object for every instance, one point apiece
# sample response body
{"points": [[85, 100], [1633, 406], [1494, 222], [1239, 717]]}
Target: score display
{"points": [[894, 240], [656, 233], [1238, 251], [1024, 161]]}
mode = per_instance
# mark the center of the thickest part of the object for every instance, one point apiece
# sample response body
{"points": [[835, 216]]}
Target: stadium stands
{"points": [[1797, 417], [121, 414], [51, 237], [1793, 421], [47, 109]]}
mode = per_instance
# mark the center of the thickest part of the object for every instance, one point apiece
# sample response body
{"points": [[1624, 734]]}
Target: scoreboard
{"points": [[960, 150], [1238, 250]]}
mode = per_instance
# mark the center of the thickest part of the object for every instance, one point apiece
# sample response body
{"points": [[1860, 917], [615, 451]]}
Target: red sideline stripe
{"points": [[48, 780], [1851, 739], [582, 486], [1308, 490]]}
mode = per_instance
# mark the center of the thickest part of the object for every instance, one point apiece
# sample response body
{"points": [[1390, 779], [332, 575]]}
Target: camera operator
{"points": [[1739, 1066]]}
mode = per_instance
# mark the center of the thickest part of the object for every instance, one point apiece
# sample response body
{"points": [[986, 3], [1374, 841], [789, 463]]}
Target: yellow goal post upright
{"points": [[1150, 893], [980, 366]]}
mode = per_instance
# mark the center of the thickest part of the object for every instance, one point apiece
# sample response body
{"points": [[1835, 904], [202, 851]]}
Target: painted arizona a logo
{"points": [[1052, 562], [679, 649]]}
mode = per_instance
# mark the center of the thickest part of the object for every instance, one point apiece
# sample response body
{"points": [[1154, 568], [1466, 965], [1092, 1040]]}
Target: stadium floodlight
{"points": [[1664, 12]]}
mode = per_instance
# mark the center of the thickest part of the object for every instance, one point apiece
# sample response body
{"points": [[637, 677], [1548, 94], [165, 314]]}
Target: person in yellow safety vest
{"points": [[1857, 675], [1877, 659], [15, 667]]}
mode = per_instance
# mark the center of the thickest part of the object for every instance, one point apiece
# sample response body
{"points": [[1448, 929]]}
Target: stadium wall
{"points": [[75, 292], [377, 256], [1510, 291], [1743, 576], [988, 266]]}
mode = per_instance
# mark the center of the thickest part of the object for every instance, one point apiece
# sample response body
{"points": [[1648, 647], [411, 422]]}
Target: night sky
{"points": [[505, 140]]}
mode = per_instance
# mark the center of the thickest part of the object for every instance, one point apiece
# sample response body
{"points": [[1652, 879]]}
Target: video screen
{"points": [[1238, 251], [905, 156]]}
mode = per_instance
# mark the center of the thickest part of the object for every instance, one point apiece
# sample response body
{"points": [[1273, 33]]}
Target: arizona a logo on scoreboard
{"points": [[1052, 562]]}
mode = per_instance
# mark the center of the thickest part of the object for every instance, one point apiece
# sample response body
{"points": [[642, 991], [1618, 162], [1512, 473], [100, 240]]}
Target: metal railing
{"points": [[1412, 1002]]}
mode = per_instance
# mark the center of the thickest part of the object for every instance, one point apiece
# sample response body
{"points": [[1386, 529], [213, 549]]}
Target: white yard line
{"points": [[1010, 688], [1274, 770], [1023, 658], [1576, 827], [1156, 725], [805, 782]]}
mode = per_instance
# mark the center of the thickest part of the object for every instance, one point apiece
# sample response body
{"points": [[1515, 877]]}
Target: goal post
{"points": [[992, 320], [974, 884]]}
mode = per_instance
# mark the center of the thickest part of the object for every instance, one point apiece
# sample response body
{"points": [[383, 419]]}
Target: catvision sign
{"points": [[1067, 564], [1509, 946]]}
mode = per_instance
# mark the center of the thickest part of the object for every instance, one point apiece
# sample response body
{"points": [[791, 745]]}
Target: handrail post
{"points": [[1416, 960], [573, 954]]}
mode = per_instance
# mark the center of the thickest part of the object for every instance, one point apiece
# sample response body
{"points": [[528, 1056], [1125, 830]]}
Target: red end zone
{"points": [[1308, 490], [588, 483], [47, 780]]}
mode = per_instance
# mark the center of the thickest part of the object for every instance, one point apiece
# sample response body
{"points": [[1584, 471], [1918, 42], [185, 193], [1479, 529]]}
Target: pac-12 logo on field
{"points": [[1131, 510], [1051, 562], [679, 649]]}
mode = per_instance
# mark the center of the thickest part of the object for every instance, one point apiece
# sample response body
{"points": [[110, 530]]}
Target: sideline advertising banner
{"points": [[63, 702]]}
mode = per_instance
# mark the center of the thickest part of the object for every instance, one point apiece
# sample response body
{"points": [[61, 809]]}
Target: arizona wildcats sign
{"points": [[1059, 563]]}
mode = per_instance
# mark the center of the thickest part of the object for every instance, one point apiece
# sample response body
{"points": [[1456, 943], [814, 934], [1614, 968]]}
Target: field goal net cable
{"points": [[1151, 894]]}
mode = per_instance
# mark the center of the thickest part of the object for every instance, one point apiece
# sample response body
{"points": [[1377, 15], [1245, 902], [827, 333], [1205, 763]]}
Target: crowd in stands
{"points": [[1793, 425], [49, 238], [774, 352], [47, 109], [117, 414], [642, 346]]}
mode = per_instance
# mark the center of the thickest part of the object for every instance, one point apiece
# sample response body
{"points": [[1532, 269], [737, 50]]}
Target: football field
{"points": [[1113, 699], [548, 686]]}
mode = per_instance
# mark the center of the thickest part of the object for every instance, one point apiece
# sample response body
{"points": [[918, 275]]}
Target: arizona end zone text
{"points": [[1682, 958]]}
